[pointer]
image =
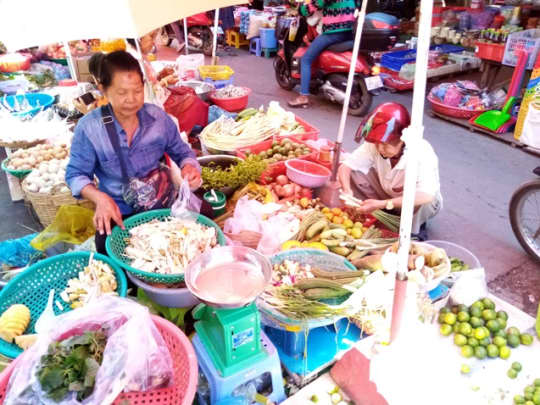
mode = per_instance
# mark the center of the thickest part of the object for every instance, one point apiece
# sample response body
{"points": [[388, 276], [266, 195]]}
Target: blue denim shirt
{"points": [[93, 154]]}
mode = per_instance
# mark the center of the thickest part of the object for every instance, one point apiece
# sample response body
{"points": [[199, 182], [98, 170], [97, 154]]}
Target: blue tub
{"points": [[268, 38], [36, 102]]}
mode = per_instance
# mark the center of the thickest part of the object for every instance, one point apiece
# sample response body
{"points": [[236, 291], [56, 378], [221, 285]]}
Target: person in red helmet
{"points": [[375, 172]]}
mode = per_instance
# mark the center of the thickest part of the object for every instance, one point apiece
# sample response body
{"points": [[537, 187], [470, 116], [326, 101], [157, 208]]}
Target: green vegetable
{"points": [[235, 176], [458, 265], [72, 365], [314, 399]]}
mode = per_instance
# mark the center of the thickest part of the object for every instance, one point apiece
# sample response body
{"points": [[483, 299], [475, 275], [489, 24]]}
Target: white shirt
{"points": [[367, 157]]}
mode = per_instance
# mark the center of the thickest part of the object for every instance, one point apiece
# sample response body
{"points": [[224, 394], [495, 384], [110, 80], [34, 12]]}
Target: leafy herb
{"points": [[235, 176], [42, 80], [72, 365]]}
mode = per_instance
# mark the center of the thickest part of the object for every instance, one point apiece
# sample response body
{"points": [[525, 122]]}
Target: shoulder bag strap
{"points": [[108, 121]]}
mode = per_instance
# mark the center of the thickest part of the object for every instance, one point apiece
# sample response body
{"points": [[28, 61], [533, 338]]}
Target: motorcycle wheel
{"points": [[283, 76], [360, 103], [524, 217], [205, 35]]}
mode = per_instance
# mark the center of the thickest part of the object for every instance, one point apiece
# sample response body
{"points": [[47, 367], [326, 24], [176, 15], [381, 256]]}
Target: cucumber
{"points": [[309, 283], [324, 293]]}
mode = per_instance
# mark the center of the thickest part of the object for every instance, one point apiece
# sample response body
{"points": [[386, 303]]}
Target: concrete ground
{"points": [[478, 177]]}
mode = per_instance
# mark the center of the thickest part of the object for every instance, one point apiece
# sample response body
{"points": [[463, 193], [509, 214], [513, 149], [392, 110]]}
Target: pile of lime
{"points": [[480, 330], [531, 394]]}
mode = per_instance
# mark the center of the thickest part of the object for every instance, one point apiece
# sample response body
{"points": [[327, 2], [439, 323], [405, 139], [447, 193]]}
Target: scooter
{"points": [[525, 215], [200, 36], [330, 70]]}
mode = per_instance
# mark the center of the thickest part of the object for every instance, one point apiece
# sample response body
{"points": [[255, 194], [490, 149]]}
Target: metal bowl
{"points": [[223, 161], [228, 255], [202, 89]]}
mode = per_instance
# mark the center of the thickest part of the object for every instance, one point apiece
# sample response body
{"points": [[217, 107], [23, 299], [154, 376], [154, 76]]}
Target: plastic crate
{"points": [[487, 51], [219, 84], [528, 40], [215, 72], [310, 132], [395, 60]]}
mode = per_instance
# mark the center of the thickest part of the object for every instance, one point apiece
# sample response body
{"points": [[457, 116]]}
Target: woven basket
{"points": [[21, 144], [32, 286], [117, 240], [47, 205], [185, 372]]}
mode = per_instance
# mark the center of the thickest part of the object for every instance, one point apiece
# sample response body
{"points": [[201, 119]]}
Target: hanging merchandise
{"points": [[531, 128], [531, 93]]}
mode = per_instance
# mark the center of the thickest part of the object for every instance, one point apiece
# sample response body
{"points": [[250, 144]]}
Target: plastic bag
{"points": [[72, 224], [469, 287], [19, 252], [136, 357], [187, 203], [187, 107]]}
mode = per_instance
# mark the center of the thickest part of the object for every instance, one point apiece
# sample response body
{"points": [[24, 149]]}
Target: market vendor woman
{"points": [[142, 132], [375, 172]]}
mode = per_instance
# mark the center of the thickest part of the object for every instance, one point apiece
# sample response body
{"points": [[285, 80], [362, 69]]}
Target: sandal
{"points": [[299, 102]]}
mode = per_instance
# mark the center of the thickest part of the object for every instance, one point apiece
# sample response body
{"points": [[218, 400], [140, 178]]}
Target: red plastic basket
{"points": [[310, 132], [494, 52], [185, 372], [231, 104], [449, 111]]}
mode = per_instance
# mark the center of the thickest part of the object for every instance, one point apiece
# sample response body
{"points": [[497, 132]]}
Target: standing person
{"points": [[375, 171], [131, 148], [338, 23]]}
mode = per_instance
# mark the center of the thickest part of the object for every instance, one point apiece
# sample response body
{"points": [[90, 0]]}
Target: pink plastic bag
{"points": [[136, 357]]}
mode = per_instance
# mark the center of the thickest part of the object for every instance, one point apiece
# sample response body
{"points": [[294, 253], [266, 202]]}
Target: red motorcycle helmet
{"points": [[384, 124]]}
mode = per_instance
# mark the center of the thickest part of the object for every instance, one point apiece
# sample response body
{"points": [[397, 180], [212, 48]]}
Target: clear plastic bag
{"points": [[187, 203], [136, 357]]}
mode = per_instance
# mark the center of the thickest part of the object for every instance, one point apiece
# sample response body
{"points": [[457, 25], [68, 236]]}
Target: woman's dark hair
{"points": [[103, 67]]}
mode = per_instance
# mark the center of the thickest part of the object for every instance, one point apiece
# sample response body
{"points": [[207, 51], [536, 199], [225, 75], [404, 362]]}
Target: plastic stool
{"points": [[236, 39], [221, 388], [268, 51], [255, 46]]}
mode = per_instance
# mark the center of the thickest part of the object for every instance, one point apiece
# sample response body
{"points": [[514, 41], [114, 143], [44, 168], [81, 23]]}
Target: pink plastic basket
{"points": [[456, 112], [185, 372]]}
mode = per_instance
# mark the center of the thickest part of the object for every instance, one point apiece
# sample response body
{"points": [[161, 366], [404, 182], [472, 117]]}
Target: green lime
{"points": [[473, 342], [440, 319], [513, 341], [463, 308], [537, 382], [536, 398], [480, 333], [529, 389], [512, 373], [475, 311], [489, 315], [444, 310], [485, 342], [518, 399], [476, 322], [465, 369], [488, 304], [465, 329], [467, 351], [529, 403], [455, 328], [499, 341], [446, 330], [502, 315], [493, 325], [460, 340], [504, 352], [516, 365], [500, 333], [526, 339], [492, 351], [463, 316], [502, 323], [480, 352], [513, 331], [529, 395], [450, 318], [478, 304]]}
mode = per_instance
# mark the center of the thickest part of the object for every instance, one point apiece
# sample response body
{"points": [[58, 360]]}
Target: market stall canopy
{"points": [[24, 25]]}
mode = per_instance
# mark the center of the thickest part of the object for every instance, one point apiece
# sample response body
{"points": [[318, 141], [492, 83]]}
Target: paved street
{"points": [[478, 176]]}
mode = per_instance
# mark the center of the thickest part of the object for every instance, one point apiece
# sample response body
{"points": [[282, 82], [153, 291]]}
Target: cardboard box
{"points": [[82, 68]]}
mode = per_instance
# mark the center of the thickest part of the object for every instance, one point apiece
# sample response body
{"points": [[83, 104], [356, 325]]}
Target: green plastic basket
{"points": [[116, 244], [32, 287], [17, 173]]}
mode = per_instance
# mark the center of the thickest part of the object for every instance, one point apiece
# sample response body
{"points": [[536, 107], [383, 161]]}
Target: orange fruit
{"points": [[337, 220], [337, 211]]}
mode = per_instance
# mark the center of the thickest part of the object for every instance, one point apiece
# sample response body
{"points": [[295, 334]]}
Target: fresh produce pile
{"points": [[283, 188], [31, 158], [71, 365], [231, 91], [235, 176], [481, 331], [96, 280], [458, 265], [283, 150], [167, 247], [48, 178], [14, 322], [389, 220], [531, 393]]}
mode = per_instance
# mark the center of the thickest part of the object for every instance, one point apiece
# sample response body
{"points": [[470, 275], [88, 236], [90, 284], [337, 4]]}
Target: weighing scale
{"points": [[235, 356]]}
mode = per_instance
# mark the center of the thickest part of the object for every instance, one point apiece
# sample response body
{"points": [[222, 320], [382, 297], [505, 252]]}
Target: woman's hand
{"points": [[344, 177], [106, 210], [192, 175], [368, 206]]}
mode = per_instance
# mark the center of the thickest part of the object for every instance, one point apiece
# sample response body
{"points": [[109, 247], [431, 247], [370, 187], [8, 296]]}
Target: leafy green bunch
{"points": [[235, 176]]}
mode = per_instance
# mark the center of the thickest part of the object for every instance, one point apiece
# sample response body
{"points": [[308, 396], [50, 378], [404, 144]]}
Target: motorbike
{"points": [[330, 70], [200, 36], [525, 215]]}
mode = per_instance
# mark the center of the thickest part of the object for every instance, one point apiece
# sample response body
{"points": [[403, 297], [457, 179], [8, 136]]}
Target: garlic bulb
{"points": [[31, 158]]}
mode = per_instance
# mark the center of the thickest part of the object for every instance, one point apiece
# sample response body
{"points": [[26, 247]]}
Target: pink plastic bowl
{"points": [[306, 173]]}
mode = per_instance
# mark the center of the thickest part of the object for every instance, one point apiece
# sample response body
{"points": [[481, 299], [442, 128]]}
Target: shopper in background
{"points": [[338, 23], [375, 172]]}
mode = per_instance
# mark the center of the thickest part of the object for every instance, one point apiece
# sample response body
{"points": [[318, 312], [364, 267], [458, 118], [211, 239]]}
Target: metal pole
{"points": [[216, 25], [350, 81], [186, 36]]}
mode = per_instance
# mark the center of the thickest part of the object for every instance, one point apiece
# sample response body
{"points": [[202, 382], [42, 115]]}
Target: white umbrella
{"points": [[24, 25]]}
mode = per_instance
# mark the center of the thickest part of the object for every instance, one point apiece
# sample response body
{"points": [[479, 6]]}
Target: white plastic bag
{"points": [[136, 357], [187, 203], [469, 287]]}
